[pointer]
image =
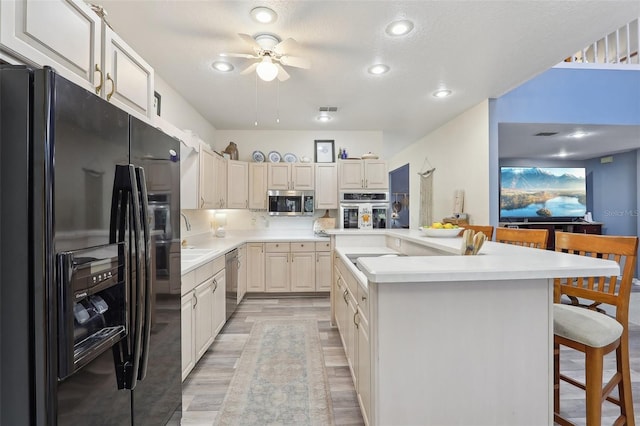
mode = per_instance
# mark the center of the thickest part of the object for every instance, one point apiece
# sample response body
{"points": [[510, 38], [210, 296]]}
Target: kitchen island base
{"points": [[462, 353]]}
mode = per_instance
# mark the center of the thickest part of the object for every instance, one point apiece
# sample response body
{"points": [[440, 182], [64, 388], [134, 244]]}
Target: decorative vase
{"points": [[232, 150]]}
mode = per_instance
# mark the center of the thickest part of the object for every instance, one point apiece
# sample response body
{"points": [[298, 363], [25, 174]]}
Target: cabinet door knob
{"points": [[364, 298], [195, 298], [215, 285]]}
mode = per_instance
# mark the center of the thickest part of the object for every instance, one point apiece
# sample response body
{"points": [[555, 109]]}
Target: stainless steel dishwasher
{"points": [[231, 278]]}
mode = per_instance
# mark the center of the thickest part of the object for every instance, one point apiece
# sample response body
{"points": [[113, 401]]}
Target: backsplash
{"points": [[203, 221]]}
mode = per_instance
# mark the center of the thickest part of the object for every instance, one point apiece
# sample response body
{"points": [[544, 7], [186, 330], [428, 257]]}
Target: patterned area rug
{"points": [[280, 378]]}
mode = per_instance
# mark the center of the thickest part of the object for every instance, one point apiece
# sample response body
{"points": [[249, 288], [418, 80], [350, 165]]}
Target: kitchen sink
{"points": [[354, 257]]}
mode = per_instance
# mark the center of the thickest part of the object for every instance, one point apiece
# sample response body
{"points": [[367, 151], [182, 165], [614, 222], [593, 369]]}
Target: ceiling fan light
{"points": [[442, 93], [222, 66], [267, 70], [399, 28], [378, 69], [263, 15]]}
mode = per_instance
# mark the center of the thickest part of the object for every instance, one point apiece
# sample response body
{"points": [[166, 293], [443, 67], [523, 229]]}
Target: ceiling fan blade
{"points": [[250, 41], [285, 45], [239, 55], [251, 68], [295, 61], [282, 74]]}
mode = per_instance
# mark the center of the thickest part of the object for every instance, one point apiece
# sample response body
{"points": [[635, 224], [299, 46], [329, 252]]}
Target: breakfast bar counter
{"points": [[451, 339]]}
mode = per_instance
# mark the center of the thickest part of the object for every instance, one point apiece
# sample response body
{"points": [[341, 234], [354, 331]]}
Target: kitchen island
{"points": [[440, 338]]}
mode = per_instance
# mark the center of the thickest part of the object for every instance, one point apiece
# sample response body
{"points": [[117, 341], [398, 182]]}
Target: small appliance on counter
{"points": [[323, 223]]}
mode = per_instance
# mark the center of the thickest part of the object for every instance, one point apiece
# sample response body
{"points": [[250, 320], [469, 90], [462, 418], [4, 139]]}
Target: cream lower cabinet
{"points": [[187, 332], [323, 266], [203, 310], [351, 314], [255, 267], [290, 267], [242, 272], [277, 276]]}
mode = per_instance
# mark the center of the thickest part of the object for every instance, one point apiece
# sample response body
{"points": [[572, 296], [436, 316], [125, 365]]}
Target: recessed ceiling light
{"points": [[222, 66], [442, 93], [263, 15], [399, 28], [378, 69], [562, 154], [323, 118]]}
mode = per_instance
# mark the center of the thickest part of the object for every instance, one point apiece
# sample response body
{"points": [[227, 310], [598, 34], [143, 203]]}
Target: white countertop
{"points": [[496, 261], [209, 247]]}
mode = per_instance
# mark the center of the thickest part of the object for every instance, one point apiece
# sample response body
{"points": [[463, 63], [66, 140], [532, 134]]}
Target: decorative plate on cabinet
{"points": [[258, 156], [290, 158], [274, 156]]}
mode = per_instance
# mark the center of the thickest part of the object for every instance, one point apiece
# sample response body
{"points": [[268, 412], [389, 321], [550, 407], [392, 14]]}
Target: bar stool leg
{"points": [[624, 387], [556, 378], [594, 368]]}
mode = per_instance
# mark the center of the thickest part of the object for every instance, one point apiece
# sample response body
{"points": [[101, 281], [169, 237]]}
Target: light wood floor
{"points": [[206, 386], [204, 390]]}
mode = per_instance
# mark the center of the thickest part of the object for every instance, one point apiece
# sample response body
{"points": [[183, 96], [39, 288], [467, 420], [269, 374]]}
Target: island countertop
{"points": [[496, 261]]}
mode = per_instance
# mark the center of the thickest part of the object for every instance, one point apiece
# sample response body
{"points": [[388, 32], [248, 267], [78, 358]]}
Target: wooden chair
{"points": [[535, 238], [486, 229], [592, 332]]}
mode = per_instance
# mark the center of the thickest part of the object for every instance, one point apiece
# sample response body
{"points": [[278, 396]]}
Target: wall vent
{"points": [[546, 134], [328, 109]]}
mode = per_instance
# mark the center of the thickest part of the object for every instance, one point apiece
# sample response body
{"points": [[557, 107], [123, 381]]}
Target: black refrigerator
{"points": [[89, 302]]}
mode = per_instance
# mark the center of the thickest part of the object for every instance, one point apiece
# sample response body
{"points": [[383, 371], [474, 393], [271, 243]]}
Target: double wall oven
{"points": [[363, 209]]}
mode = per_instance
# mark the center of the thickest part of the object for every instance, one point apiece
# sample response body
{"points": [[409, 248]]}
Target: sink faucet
{"points": [[186, 221]]}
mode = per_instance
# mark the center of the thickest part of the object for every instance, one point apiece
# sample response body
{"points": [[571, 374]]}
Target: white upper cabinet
{"points": [[363, 174], [237, 184], [70, 37], [128, 79], [189, 174], [258, 186], [63, 34], [326, 195], [289, 176], [207, 191]]}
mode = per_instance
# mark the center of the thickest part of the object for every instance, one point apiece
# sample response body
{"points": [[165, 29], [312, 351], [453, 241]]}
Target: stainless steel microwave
{"points": [[290, 203]]}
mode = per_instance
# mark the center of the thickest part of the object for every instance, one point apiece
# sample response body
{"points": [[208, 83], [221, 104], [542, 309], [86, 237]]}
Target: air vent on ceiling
{"points": [[328, 109], [546, 134]]}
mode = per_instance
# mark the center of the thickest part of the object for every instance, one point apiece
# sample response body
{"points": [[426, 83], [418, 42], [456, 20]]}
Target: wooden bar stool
{"points": [[485, 229], [535, 238], [594, 333]]}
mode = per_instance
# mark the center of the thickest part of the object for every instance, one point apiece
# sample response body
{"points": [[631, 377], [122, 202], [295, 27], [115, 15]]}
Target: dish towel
{"points": [[365, 218]]}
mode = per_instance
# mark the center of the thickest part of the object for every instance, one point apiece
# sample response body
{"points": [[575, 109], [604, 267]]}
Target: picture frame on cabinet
{"points": [[157, 102], [325, 151]]}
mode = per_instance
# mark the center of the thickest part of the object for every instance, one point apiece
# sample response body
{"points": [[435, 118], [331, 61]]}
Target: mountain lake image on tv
{"points": [[542, 193]]}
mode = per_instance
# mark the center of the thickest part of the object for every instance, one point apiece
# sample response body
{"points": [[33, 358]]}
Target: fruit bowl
{"points": [[440, 232]]}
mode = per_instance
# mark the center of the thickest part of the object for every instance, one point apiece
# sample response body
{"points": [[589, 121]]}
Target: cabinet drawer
{"points": [[323, 246], [303, 246], [188, 282], [204, 272], [277, 247]]}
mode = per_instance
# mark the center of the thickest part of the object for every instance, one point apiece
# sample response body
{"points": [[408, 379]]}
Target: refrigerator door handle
{"points": [[125, 208], [148, 282]]}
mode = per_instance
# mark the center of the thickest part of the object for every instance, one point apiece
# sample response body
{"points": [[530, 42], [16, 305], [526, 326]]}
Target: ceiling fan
{"points": [[271, 53]]}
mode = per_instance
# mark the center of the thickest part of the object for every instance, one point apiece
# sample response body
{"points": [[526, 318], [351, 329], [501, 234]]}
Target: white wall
{"points": [[176, 111], [459, 151], [298, 142]]}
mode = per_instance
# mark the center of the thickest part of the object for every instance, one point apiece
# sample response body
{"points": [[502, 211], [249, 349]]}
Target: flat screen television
{"points": [[542, 194]]}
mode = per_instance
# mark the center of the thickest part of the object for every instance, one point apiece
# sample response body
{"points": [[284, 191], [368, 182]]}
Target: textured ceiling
{"points": [[478, 49]]}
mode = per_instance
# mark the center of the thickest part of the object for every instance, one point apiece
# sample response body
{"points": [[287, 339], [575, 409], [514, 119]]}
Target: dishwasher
{"points": [[231, 280]]}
